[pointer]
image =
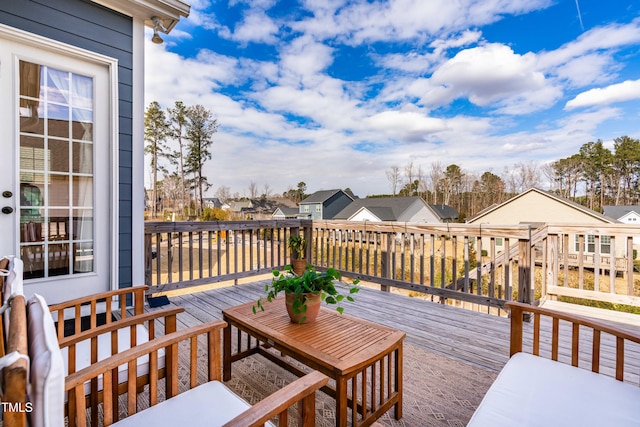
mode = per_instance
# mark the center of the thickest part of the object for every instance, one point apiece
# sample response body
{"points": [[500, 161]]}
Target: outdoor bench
{"points": [[532, 390]]}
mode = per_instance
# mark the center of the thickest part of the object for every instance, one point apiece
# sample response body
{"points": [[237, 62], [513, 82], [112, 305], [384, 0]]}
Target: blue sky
{"points": [[336, 92]]}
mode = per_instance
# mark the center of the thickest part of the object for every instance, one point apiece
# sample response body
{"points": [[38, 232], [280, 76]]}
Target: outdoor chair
{"points": [[210, 403], [87, 342]]}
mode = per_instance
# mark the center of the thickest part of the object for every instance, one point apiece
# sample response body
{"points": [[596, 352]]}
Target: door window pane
{"points": [[56, 110]]}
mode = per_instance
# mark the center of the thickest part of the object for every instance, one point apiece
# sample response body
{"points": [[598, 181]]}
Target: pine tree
{"points": [[200, 130], [178, 122], [156, 131]]}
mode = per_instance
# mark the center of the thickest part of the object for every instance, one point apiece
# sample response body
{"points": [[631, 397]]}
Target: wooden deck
{"points": [[462, 337], [475, 338], [471, 337]]}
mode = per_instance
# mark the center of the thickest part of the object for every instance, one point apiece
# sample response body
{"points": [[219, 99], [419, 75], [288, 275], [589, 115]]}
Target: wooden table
{"points": [[364, 358]]}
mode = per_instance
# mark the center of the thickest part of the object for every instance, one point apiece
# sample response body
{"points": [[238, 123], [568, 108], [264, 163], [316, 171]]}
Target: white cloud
{"points": [[492, 74], [407, 126], [620, 92], [361, 22], [256, 27]]}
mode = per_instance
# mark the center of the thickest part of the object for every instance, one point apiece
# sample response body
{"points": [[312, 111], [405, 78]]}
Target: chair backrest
{"points": [[13, 345], [11, 271]]}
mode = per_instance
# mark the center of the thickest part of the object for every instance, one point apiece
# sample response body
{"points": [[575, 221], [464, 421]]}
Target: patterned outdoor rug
{"points": [[437, 391]]}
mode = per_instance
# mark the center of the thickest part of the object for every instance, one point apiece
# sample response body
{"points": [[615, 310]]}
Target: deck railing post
{"points": [[307, 232], [148, 269], [524, 273], [385, 261]]}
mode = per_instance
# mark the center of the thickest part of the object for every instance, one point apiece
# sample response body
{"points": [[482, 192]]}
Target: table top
{"points": [[335, 341]]}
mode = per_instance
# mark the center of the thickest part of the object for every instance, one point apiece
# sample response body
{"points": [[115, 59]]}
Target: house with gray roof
{"points": [[324, 204], [404, 209], [625, 214], [285, 212]]}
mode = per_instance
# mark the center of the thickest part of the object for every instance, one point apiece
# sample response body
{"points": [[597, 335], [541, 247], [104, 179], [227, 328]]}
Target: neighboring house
{"points": [[214, 202], [538, 207], [404, 209], [284, 212], [76, 184], [324, 204], [240, 209], [625, 214]]}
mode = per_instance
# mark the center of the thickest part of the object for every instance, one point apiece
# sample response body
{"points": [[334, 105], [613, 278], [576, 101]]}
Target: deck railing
{"points": [[479, 264], [183, 254]]}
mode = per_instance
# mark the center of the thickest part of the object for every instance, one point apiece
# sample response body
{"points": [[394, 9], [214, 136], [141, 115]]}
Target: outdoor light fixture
{"points": [[157, 26]]}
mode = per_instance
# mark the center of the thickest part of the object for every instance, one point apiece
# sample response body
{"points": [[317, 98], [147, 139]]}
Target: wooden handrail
{"points": [[518, 311], [302, 390], [138, 293], [127, 322]]}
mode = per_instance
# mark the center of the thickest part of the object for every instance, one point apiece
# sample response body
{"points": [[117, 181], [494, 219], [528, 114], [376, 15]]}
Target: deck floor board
{"points": [[472, 337]]}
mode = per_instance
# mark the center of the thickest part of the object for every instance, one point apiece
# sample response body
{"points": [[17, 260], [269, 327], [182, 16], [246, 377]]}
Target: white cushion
{"points": [[83, 353], [47, 370], [211, 404], [534, 391]]}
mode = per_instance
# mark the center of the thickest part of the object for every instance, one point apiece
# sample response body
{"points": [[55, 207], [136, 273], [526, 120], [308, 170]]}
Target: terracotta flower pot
{"points": [[312, 302], [299, 265]]}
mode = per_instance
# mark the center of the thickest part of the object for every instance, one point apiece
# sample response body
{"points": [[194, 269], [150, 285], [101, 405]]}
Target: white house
{"points": [[404, 209]]}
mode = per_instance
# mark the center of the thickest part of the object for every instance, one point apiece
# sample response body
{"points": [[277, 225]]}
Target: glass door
{"points": [[60, 222]]}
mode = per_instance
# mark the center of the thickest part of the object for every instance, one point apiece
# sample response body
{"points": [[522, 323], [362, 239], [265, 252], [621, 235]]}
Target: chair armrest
{"points": [[599, 330], [138, 293], [74, 383], [129, 322], [278, 403]]}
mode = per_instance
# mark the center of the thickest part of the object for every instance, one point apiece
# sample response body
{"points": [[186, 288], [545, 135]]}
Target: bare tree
{"points": [[253, 190], [393, 175], [409, 174], [435, 175], [223, 193], [549, 172], [527, 175], [266, 191]]}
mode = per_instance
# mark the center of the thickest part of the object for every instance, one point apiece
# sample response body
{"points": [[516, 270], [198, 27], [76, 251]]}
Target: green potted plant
{"points": [[298, 247], [305, 292]]}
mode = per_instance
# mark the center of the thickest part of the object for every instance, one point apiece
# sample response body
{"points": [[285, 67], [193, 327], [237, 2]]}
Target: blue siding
{"points": [[335, 204], [93, 27]]}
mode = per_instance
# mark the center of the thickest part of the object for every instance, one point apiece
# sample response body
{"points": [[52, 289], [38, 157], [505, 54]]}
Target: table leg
{"points": [[226, 352], [397, 409], [342, 402]]}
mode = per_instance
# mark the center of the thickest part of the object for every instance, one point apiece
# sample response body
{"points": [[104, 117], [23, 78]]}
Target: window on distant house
{"points": [[305, 208], [318, 208], [589, 245]]}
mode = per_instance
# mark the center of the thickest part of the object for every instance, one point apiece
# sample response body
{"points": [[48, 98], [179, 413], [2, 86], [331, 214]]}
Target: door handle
{"points": [[7, 210]]}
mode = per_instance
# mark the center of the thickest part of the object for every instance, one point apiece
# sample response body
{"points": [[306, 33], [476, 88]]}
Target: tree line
{"points": [[178, 141], [594, 177]]}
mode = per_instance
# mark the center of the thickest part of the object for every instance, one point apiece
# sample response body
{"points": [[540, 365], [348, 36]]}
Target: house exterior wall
{"points": [[98, 29], [418, 212], [364, 215], [334, 204], [534, 207]]}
